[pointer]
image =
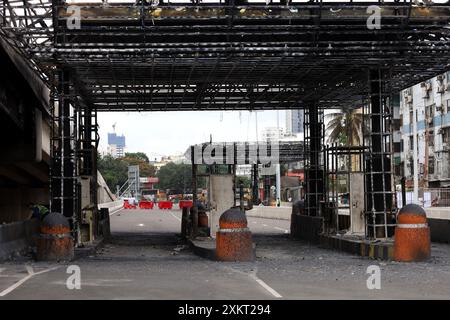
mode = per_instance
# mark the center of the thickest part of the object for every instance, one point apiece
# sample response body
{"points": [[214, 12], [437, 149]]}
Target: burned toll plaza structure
{"points": [[230, 55]]}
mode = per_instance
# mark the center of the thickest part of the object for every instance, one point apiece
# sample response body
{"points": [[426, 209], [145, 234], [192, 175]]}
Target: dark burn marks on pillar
{"points": [[314, 174], [379, 205]]}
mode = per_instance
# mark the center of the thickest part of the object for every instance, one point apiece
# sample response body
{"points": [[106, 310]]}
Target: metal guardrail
{"points": [[428, 197]]}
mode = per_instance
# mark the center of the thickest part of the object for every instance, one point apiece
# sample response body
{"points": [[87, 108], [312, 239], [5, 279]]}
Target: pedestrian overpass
{"points": [[227, 55]]}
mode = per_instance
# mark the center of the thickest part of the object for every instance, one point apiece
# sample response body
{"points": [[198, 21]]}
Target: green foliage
{"points": [[138, 156], [175, 176], [140, 159], [115, 171], [178, 177], [245, 180], [345, 127]]}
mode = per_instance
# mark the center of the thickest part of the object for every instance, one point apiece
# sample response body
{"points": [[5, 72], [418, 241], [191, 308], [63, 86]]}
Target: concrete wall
{"points": [[281, 213], [112, 206], [17, 237], [14, 202], [104, 195]]}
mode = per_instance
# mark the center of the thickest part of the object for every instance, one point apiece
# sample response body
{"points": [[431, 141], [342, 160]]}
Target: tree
{"points": [[175, 176], [140, 159], [345, 127], [138, 156], [114, 171], [246, 181]]}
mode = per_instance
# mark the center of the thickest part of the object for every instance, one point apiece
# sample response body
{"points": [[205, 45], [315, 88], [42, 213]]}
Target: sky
{"points": [[170, 133]]}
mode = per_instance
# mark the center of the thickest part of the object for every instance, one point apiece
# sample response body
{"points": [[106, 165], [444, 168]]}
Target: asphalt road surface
{"points": [[147, 260]]}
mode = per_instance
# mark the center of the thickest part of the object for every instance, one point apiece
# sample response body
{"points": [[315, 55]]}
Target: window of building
{"points": [[411, 143], [431, 138], [446, 135], [431, 165]]}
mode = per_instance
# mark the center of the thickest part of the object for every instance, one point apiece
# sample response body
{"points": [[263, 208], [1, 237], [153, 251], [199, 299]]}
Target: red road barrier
{"points": [[165, 204], [144, 204], [185, 204], [127, 205]]}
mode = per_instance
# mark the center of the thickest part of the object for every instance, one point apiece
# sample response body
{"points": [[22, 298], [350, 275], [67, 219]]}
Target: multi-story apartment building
{"points": [[116, 145], [431, 100], [294, 121]]}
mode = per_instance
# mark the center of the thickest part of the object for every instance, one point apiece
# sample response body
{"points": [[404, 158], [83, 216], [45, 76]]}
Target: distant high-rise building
{"points": [[272, 134], [294, 121], [116, 145]]}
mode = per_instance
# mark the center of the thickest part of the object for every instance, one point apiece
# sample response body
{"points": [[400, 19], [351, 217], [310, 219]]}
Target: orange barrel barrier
{"points": [[412, 235], [185, 204], [165, 204], [234, 239], [55, 242], [145, 204]]}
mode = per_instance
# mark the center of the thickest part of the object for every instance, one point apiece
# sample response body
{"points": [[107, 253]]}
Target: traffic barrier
{"points": [[185, 204], [144, 204], [412, 235], [165, 204], [234, 239], [55, 242], [127, 205]]}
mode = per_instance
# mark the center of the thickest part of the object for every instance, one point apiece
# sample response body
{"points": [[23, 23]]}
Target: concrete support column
{"points": [[255, 186], [313, 170], [378, 174], [62, 169]]}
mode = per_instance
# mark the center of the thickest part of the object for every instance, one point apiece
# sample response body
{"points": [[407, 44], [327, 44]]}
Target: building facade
{"points": [[294, 121], [116, 145], [431, 101]]}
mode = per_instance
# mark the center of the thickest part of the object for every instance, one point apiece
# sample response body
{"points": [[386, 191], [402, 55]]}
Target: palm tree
{"points": [[345, 127]]}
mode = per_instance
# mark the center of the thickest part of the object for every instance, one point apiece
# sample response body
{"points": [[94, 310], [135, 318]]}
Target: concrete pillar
{"points": [[378, 167], [62, 169], [314, 172], [221, 197], [255, 184]]}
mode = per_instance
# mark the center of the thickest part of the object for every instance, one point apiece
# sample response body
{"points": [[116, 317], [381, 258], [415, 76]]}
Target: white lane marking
{"points": [[254, 222], [114, 212], [253, 276], [175, 216], [31, 274], [140, 225], [281, 229], [266, 286], [264, 225]]}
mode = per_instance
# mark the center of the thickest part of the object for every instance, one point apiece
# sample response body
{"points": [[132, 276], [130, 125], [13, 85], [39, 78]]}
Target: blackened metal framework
{"points": [[227, 55]]}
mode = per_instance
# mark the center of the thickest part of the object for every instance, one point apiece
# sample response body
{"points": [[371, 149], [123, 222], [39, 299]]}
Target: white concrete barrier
{"points": [[438, 213], [280, 213], [112, 206]]}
